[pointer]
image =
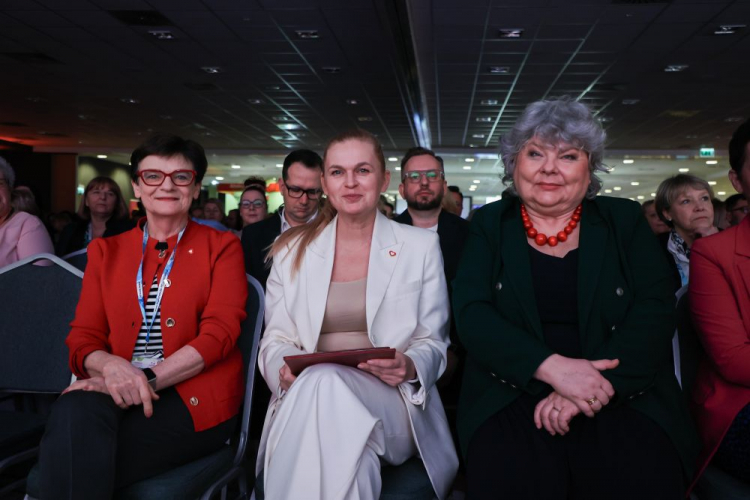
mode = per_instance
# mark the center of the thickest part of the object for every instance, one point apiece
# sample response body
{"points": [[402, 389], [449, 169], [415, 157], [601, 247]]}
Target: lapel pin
{"points": [[391, 253], [190, 251]]}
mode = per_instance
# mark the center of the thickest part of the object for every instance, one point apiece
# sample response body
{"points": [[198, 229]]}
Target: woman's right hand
{"points": [[579, 380], [286, 379], [128, 385]]}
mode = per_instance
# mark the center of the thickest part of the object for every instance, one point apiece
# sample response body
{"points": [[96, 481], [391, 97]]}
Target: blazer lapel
{"points": [[384, 254], [318, 268], [591, 250]]}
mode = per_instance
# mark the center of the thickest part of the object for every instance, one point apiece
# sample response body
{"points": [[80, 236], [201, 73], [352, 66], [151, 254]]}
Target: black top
{"points": [[256, 238], [555, 283]]}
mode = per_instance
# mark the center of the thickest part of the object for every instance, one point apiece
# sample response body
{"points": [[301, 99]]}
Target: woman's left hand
{"points": [[554, 413], [95, 384], [391, 371]]}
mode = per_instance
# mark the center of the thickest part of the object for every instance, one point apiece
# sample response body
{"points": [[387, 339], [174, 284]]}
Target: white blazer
{"points": [[406, 307]]}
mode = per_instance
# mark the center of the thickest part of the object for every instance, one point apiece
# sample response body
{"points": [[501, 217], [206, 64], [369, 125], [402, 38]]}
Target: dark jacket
{"points": [[73, 236], [256, 238], [625, 308]]}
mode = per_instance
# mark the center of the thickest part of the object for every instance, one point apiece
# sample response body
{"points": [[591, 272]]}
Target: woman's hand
{"points": [[391, 371], [554, 413], [286, 379], [128, 385], [579, 381], [95, 384]]}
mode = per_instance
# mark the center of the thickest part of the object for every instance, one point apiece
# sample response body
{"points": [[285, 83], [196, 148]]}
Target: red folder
{"points": [[349, 357]]}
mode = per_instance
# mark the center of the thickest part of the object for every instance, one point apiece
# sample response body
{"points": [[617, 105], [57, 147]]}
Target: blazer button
{"points": [[498, 286], [620, 292], [194, 401], [493, 375], [167, 283], [170, 322]]}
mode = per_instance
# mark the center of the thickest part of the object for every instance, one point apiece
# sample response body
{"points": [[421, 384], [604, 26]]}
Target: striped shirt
{"points": [[155, 347]]}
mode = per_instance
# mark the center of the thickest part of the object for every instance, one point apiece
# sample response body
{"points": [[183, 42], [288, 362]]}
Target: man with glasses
{"points": [[300, 188], [737, 208]]}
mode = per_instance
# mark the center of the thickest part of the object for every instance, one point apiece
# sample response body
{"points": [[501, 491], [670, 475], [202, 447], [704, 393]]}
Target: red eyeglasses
{"points": [[156, 177]]}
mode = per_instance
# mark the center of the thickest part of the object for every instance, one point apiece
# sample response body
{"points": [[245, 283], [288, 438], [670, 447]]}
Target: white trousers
{"points": [[329, 433]]}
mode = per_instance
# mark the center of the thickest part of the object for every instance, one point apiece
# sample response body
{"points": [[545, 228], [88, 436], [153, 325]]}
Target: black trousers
{"points": [[92, 447], [619, 454]]}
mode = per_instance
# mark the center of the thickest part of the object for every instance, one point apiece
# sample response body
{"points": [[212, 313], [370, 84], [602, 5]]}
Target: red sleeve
{"points": [[717, 317], [219, 326], [89, 330]]}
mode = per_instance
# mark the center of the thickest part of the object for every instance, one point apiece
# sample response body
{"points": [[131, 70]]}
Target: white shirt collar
{"points": [[285, 224]]}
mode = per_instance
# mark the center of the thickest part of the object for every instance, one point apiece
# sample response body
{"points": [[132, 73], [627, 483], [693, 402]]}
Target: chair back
{"points": [[37, 304], [77, 259], [248, 345]]}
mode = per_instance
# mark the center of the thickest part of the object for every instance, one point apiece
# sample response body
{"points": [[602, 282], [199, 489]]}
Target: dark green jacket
{"points": [[625, 310]]}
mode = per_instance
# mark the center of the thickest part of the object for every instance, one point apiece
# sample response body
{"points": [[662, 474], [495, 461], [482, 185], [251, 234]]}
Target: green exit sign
{"points": [[707, 152]]}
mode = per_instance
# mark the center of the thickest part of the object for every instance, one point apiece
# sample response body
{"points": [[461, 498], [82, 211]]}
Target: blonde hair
{"points": [[299, 238]]}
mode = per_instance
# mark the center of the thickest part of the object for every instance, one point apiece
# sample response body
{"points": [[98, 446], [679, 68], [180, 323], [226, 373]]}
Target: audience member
{"points": [[102, 212], [21, 234], [354, 279], [454, 200], [196, 212], [385, 207], [683, 203], [23, 200], [737, 208], [720, 214], [213, 209], [575, 323], [144, 404], [300, 188], [654, 221], [233, 220], [57, 221], [720, 304], [253, 205]]}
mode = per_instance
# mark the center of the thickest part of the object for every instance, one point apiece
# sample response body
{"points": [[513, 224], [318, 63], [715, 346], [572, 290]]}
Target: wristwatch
{"points": [[151, 377]]}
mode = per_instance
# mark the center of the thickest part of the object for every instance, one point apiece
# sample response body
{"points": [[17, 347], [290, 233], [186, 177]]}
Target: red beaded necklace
{"points": [[541, 239]]}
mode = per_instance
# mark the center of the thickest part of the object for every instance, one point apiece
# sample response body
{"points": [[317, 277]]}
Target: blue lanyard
{"points": [[162, 282]]}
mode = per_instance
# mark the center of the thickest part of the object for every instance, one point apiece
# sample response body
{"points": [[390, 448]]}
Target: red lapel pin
{"points": [[391, 253]]}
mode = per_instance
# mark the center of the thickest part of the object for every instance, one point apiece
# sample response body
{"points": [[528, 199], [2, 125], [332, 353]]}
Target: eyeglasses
{"points": [[415, 176], [745, 210], [297, 192], [252, 204], [156, 177]]}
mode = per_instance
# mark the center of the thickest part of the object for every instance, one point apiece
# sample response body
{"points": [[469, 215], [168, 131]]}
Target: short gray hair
{"points": [[558, 120], [8, 173]]}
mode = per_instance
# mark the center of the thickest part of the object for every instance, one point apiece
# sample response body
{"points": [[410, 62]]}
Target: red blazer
{"points": [[205, 303], [720, 301]]}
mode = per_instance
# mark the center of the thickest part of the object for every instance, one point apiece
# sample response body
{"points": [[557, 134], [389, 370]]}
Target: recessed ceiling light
{"points": [[364, 118], [273, 87], [721, 193], [711, 183], [332, 69], [307, 34], [499, 70], [630, 102], [728, 29], [469, 160], [653, 194], [473, 146], [129, 100], [352, 102], [488, 102], [640, 197], [392, 158], [476, 181], [289, 126], [635, 183], [611, 169], [281, 118], [676, 68], [467, 167], [711, 162], [484, 119], [607, 191], [478, 136], [162, 34], [628, 162], [683, 170], [214, 183], [236, 166], [398, 169], [617, 188], [212, 70], [101, 156], [733, 119], [510, 33], [255, 100], [279, 165], [219, 178], [605, 119]]}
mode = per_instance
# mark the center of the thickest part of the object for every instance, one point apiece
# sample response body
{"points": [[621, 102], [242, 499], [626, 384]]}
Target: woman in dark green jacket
{"points": [[569, 390]]}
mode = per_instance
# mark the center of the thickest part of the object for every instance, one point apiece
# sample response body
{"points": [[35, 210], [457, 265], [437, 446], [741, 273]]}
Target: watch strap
{"points": [[150, 376]]}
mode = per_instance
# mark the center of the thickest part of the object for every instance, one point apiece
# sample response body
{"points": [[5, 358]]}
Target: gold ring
{"points": [[592, 401]]}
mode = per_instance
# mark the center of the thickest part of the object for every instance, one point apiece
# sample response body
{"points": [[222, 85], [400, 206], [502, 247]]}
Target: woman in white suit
{"points": [[353, 279]]}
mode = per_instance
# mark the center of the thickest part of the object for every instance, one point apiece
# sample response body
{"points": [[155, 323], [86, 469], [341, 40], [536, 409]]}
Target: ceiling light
{"points": [[476, 181], [728, 29], [212, 70], [281, 118], [101, 156], [683, 170], [129, 100], [478, 136], [364, 118], [607, 191], [332, 69], [499, 70], [220, 178], [605, 119], [236, 166], [676, 68], [467, 167], [352, 102], [473, 146], [721, 193], [510, 33], [392, 158], [733, 119], [630, 102], [628, 162], [279, 165], [611, 169], [162, 34], [214, 183], [255, 100], [711, 162], [307, 34], [398, 169], [653, 194], [635, 183], [484, 119], [488, 102], [273, 87], [469, 160], [640, 197], [711, 183], [617, 188], [290, 126]]}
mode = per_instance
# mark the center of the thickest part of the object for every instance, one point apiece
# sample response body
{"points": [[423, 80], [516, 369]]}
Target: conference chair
{"points": [[37, 304], [77, 259], [212, 474]]}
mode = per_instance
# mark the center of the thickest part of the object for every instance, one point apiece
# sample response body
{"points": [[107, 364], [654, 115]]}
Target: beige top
{"points": [[345, 319]]}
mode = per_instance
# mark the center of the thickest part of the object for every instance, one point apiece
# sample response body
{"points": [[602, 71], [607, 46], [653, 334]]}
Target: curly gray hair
{"points": [[556, 121], [8, 173]]}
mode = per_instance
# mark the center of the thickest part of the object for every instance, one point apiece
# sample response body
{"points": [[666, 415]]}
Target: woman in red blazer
{"points": [[153, 342], [720, 300]]}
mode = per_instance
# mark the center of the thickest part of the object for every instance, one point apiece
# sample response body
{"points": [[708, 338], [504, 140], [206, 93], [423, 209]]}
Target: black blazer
{"points": [[73, 236], [256, 238]]}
